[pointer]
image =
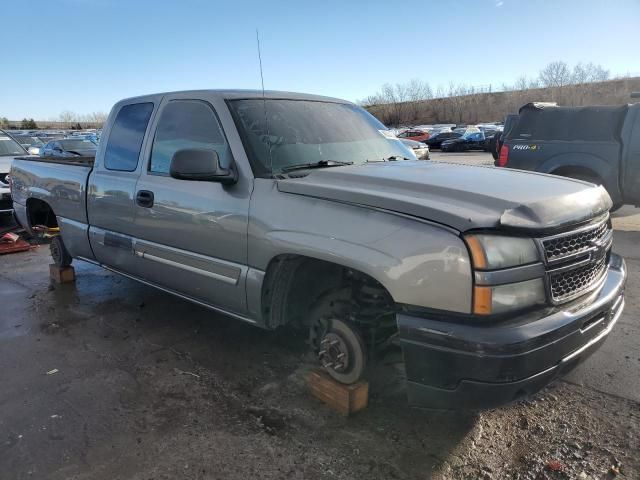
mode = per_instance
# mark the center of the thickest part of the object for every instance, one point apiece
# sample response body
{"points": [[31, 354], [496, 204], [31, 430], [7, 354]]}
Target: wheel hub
{"points": [[334, 353]]}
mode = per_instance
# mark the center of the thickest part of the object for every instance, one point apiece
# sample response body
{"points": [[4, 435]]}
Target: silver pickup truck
{"points": [[288, 209]]}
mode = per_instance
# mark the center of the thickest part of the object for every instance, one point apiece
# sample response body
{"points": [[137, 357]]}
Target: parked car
{"points": [[509, 122], [31, 144], [419, 149], [472, 139], [68, 147], [9, 149], [596, 144], [493, 282], [415, 135], [489, 139], [435, 141]]}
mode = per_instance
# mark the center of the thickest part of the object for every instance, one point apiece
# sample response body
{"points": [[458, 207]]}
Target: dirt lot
{"points": [[109, 379]]}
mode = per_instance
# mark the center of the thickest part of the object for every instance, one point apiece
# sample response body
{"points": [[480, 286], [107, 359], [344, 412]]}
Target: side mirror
{"points": [[200, 164]]}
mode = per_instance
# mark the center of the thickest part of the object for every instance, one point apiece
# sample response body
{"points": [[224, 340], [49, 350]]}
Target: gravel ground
{"points": [[109, 379]]}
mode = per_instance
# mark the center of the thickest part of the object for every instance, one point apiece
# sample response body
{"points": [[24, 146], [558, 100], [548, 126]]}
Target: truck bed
{"points": [[60, 182]]}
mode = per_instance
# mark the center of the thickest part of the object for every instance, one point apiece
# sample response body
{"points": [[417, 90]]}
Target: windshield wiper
{"points": [[319, 164]]}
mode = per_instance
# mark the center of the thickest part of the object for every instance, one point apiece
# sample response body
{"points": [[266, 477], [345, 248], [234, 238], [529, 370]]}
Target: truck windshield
{"points": [[298, 132], [8, 146]]}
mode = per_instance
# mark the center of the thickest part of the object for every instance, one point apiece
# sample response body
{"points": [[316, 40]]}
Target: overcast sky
{"points": [[84, 55]]}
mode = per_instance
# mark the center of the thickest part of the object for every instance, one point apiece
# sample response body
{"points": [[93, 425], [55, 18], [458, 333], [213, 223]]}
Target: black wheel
{"points": [[59, 252], [336, 341]]}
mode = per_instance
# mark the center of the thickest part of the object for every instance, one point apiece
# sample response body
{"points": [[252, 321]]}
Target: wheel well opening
{"points": [[40, 213], [293, 284], [580, 173]]}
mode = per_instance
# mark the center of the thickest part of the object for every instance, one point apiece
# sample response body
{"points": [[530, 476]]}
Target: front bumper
{"points": [[453, 365]]}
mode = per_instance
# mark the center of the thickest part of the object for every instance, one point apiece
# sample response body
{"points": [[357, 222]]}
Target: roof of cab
{"points": [[238, 94]]}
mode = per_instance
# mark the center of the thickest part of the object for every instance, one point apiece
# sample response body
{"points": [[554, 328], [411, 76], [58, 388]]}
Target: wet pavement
{"points": [[109, 379]]}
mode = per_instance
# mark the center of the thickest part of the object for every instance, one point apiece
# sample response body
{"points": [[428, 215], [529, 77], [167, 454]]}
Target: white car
{"points": [[419, 149], [9, 149]]}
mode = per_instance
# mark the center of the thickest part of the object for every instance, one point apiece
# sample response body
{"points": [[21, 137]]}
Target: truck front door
{"points": [[192, 235], [631, 156]]}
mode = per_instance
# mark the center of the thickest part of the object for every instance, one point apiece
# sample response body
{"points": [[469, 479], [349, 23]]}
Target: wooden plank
{"points": [[345, 399], [62, 274]]}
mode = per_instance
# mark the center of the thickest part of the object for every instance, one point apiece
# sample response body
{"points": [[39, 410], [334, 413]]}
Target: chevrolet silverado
{"points": [[289, 209]]}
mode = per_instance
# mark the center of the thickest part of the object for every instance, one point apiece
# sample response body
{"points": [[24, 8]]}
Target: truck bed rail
{"points": [[84, 161]]}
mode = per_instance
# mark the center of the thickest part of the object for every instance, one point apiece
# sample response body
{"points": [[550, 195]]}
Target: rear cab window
{"points": [[591, 124], [126, 137]]}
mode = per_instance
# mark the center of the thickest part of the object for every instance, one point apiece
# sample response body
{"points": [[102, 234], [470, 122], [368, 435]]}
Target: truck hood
{"points": [[461, 196]]}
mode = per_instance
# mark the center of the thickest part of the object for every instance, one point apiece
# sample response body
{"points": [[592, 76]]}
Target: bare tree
{"points": [[555, 74], [533, 83], [417, 92], [98, 117], [396, 98], [522, 83], [589, 73], [571, 85], [457, 100], [68, 116]]}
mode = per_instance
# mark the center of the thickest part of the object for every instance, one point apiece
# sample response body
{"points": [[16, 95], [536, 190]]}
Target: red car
{"points": [[415, 135]]}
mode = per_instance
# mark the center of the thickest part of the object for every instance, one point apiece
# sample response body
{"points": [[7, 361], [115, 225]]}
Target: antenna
{"points": [[264, 104]]}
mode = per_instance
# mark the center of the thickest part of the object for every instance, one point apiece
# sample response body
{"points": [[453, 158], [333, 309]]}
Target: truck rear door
{"points": [[111, 192], [192, 235], [631, 156]]}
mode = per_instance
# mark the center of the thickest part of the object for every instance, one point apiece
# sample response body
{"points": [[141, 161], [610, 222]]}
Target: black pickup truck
{"points": [[599, 144]]}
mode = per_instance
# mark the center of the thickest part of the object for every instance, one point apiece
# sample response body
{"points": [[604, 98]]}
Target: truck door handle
{"points": [[144, 198]]}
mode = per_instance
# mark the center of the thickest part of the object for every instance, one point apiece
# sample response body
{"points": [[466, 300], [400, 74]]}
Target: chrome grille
{"points": [[570, 244], [576, 260], [572, 283]]}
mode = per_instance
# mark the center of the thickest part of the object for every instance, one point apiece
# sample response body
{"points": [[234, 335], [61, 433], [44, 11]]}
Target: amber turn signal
{"points": [[482, 300], [477, 252]]}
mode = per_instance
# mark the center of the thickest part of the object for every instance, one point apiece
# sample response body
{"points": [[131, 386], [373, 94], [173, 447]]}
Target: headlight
{"points": [[512, 296], [492, 254]]}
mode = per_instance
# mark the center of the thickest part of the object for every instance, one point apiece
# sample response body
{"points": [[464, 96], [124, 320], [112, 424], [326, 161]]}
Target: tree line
{"points": [[71, 119], [416, 102]]}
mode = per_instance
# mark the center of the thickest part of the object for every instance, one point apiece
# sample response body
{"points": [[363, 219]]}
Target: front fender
{"points": [[419, 263]]}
